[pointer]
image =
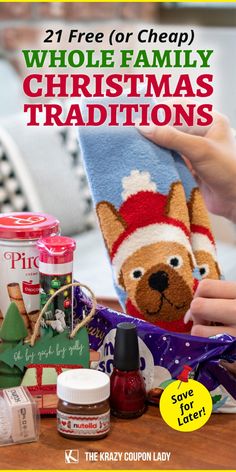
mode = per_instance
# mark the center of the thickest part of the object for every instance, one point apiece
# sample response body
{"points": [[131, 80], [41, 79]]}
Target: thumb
{"points": [[193, 147]]}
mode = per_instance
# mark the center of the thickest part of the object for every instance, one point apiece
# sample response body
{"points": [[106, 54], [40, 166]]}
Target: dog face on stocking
{"points": [[158, 279], [153, 263]]}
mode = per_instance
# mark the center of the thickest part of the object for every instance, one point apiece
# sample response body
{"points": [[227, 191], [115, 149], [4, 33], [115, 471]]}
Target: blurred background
{"points": [[39, 167]]}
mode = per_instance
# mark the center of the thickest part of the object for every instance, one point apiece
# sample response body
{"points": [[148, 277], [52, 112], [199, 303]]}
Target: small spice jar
{"points": [[83, 410]]}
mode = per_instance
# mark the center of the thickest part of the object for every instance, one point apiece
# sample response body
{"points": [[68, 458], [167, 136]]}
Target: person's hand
{"points": [[211, 152], [214, 302]]}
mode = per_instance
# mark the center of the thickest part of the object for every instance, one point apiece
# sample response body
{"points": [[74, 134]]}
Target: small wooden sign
{"points": [[50, 349]]}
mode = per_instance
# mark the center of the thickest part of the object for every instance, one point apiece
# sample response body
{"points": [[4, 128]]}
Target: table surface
{"points": [[211, 447]]}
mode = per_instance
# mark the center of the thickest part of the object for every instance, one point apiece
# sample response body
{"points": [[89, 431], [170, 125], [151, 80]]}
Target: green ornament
{"points": [[55, 283], [43, 298], [12, 331]]}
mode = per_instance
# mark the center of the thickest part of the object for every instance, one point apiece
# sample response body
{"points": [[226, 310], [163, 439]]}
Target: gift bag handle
{"points": [[79, 325]]}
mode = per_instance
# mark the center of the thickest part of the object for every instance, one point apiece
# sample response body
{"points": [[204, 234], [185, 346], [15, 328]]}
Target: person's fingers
{"points": [[187, 316], [216, 289], [219, 121], [207, 331], [171, 138], [213, 310], [220, 127], [230, 366]]}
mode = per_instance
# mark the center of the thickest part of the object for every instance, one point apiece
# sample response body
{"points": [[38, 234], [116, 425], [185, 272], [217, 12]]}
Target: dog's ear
{"points": [[197, 211], [176, 206], [112, 224]]}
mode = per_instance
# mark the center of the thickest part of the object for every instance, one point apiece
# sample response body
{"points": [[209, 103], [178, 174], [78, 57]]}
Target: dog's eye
{"points": [[204, 270], [175, 261], [137, 273]]}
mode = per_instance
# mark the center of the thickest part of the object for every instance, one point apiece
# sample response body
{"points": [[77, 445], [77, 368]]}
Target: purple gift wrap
{"points": [[164, 354]]}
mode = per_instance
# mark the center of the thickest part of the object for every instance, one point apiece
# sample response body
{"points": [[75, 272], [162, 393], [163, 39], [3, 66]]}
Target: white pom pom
{"points": [[136, 182]]}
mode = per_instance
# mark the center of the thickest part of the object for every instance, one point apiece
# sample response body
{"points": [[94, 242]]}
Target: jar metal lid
{"points": [[56, 249], [83, 386], [27, 225]]}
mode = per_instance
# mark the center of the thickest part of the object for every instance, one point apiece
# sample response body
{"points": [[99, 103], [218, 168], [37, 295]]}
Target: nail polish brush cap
{"points": [[126, 353]]}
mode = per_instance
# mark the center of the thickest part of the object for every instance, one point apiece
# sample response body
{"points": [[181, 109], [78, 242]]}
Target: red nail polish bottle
{"points": [[128, 392]]}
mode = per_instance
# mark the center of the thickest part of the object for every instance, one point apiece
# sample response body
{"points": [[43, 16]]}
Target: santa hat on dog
{"points": [[202, 240], [145, 219]]}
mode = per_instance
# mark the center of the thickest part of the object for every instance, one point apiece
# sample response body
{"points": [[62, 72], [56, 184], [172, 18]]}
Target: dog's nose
{"points": [[159, 281]]}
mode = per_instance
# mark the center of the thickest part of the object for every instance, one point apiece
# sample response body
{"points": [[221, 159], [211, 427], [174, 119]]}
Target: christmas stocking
{"points": [[154, 223]]}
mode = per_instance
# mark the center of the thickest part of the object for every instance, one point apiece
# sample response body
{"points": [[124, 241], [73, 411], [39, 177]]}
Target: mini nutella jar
{"points": [[83, 410], [19, 261]]}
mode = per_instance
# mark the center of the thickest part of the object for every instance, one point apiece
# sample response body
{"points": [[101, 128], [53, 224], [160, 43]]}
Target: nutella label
{"points": [[83, 425]]}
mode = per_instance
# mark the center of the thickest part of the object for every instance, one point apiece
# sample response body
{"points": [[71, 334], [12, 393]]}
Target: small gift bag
{"points": [[36, 362]]}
